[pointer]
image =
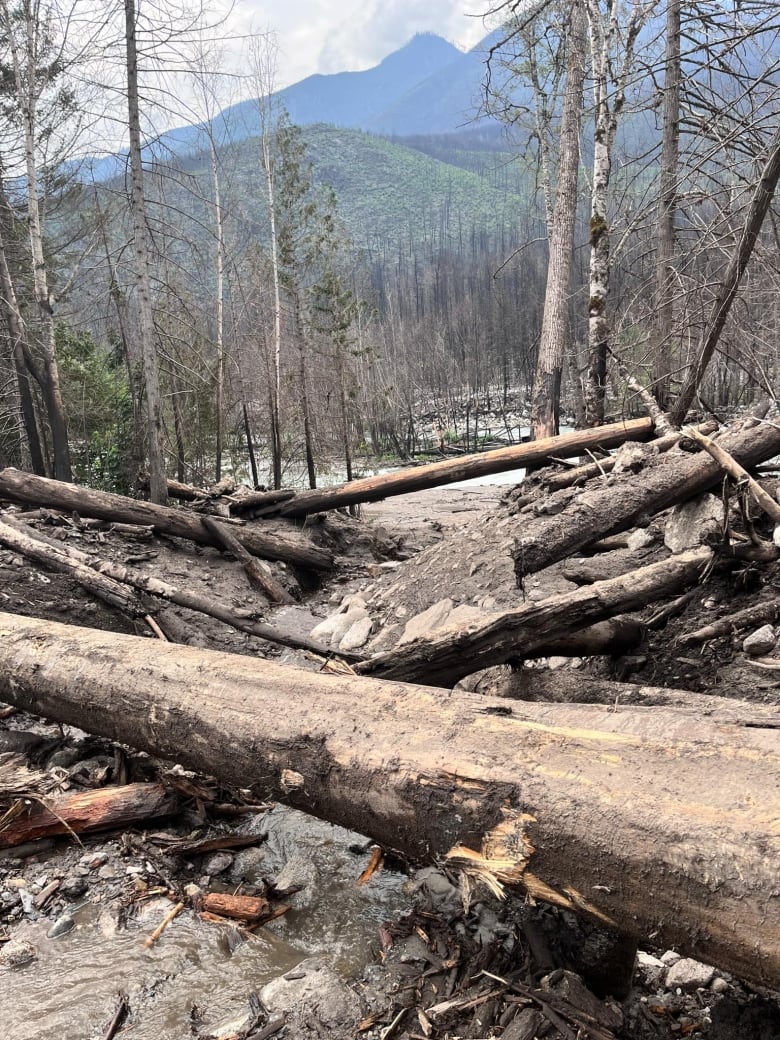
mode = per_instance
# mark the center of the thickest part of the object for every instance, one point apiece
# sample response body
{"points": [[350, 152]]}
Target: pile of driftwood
{"points": [[657, 813]]}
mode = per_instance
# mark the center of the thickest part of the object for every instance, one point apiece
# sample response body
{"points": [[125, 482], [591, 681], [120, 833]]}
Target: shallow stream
{"points": [[69, 991]]}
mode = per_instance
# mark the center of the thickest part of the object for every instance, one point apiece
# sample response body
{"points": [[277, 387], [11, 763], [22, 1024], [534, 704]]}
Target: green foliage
{"points": [[98, 402]]}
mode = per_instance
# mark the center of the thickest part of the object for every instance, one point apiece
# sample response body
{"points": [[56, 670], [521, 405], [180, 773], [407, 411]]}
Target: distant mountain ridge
{"points": [[427, 86]]}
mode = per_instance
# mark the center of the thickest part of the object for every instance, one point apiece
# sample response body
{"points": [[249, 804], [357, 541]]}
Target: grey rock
{"points": [[61, 926], [719, 985], [357, 635], [217, 863], [690, 523], [762, 641], [16, 953], [72, 887], [107, 872], [671, 957], [689, 975], [640, 539], [651, 970], [334, 628], [248, 864], [312, 996], [426, 622], [299, 873]]}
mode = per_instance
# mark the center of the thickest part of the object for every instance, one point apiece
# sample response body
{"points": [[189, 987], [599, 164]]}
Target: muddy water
{"points": [[68, 992]]}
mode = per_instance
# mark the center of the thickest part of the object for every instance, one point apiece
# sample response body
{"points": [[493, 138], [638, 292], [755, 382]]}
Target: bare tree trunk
{"points": [[158, 486], [26, 77], [220, 337], [546, 397], [727, 291], [609, 97], [667, 209], [23, 362]]}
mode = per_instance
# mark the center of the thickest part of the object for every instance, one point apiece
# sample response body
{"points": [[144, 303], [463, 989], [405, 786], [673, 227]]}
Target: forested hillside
{"points": [[307, 293]]}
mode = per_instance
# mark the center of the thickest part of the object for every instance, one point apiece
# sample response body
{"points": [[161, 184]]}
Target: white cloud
{"points": [[322, 36]]}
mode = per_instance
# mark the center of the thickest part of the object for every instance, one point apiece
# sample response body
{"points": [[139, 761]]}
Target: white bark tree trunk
{"points": [[26, 75], [158, 486], [545, 406]]}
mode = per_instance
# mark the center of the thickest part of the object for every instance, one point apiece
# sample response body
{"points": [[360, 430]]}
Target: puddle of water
{"points": [[68, 992]]}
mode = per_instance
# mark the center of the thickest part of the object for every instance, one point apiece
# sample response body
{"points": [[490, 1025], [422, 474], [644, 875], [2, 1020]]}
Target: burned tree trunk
{"points": [[443, 660], [647, 821], [610, 508], [418, 478], [32, 490]]}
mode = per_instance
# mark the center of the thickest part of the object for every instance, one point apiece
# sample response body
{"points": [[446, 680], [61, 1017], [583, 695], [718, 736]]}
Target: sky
{"points": [[348, 35]]}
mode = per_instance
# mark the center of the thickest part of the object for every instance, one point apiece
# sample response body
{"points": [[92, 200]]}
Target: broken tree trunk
{"points": [[83, 811], [649, 821], [610, 508], [575, 687], [24, 487], [257, 573], [761, 613], [443, 660], [418, 478]]}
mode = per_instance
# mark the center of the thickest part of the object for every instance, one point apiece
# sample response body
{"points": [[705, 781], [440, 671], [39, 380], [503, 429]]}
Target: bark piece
{"points": [[653, 821], [240, 908], [90, 811], [24, 487], [514, 634], [606, 510], [418, 478]]}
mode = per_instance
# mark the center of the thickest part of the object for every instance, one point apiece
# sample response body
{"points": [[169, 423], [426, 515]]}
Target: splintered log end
{"points": [[506, 852], [504, 859]]}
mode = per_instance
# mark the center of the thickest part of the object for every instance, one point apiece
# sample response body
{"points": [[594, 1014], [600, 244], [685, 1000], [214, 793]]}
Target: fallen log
{"points": [[65, 559], [257, 573], [760, 614], [580, 474], [647, 820], [514, 634], [238, 907], [738, 473], [109, 580], [86, 811], [418, 478], [241, 505], [30, 489], [576, 687], [608, 509]]}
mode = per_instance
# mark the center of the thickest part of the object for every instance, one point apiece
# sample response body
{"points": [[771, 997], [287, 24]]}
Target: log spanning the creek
{"points": [[607, 509], [54, 494], [435, 474], [651, 820]]}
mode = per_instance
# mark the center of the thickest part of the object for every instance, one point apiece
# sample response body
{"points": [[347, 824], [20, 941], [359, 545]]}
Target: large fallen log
{"points": [[109, 581], [651, 821], [80, 812], [32, 490], [608, 509], [418, 478], [575, 687], [443, 659]]}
